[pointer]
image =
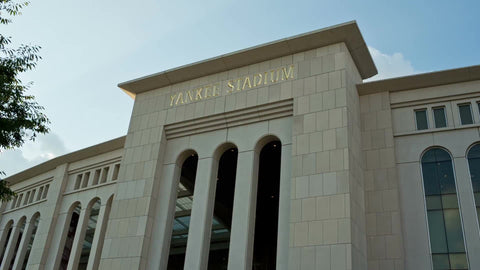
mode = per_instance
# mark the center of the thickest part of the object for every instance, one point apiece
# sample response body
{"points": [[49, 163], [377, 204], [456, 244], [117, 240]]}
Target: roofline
{"points": [[51, 164], [423, 80], [348, 32]]}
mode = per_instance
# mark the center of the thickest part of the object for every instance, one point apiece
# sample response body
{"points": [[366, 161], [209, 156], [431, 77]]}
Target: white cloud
{"points": [[389, 66], [45, 147]]}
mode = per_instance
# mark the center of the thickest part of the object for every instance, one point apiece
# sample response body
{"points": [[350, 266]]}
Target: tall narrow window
{"points": [[223, 209], [465, 114], [30, 241], [21, 228], [89, 233], [474, 165], [8, 231], [266, 215], [421, 118], [440, 118], [444, 224], [183, 209], [72, 228]]}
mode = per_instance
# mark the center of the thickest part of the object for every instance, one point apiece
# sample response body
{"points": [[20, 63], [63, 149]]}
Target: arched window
{"points": [[21, 228], [34, 223], [72, 228], [266, 215], [183, 209], [8, 232], [223, 209], [474, 165], [89, 233], [444, 224]]}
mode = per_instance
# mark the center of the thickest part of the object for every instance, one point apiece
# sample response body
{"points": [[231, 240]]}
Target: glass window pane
{"points": [[72, 228], [30, 242], [445, 174], [89, 234], [474, 152], [453, 229], [440, 262], [449, 201], [9, 232], [474, 166], [458, 261], [421, 118], [19, 238], [436, 227], [430, 181], [183, 206], [434, 202], [465, 114], [440, 119]]}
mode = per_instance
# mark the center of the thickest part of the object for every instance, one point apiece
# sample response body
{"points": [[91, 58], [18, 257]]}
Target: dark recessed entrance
{"points": [[266, 215], [183, 211], [222, 211]]}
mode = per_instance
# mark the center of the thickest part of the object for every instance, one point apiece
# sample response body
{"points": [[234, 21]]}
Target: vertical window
{"points": [[444, 224], [96, 177], [33, 196], [21, 228], [222, 210], [116, 169], [421, 118], [45, 192], [104, 175], [266, 215], [440, 117], [8, 230], [86, 177], [72, 228], [89, 233], [465, 114], [474, 165], [30, 241], [183, 209]]}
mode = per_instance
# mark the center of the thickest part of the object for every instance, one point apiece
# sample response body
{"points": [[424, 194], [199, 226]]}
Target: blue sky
{"points": [[88, 47]]}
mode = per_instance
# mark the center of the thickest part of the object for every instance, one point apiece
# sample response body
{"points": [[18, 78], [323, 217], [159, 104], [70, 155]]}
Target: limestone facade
{"points": [[351, 193]]}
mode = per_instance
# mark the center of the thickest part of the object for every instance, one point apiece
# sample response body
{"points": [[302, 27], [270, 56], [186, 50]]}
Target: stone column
{"points": [[78, 240], [161, 235], [7, 257], [202, 213], [243, 219], [4, 233], [284, 207], [468, 211], [97, 243], [45, 246], [22, 248]]}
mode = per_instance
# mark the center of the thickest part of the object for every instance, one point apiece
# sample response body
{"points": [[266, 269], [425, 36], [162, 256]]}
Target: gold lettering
{"points": [[247, 79], [272, 74], [265, 77], [232, 87], [207, 92], [172, 98], [215, 92], [259, 76], [190, 96], [179, 98], [199, 93], [287, 74], [238, 84]]}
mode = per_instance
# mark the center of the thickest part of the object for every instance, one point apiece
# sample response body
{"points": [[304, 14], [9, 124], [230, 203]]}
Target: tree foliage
{"points": [[21, 118]]}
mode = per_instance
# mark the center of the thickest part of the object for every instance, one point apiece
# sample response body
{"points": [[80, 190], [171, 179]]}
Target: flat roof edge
{"points": [[346, 32], [423, 80], [51, 164]]}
